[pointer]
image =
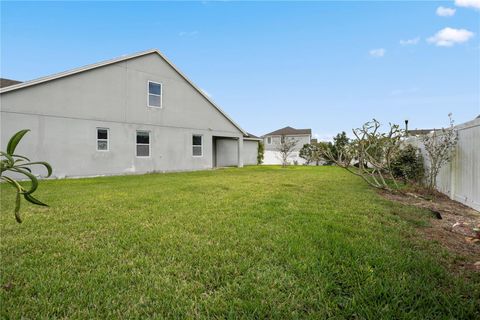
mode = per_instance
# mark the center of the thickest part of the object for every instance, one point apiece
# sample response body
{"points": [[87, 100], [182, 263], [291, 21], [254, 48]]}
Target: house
{"points": [[133, 114], [273, 140]]}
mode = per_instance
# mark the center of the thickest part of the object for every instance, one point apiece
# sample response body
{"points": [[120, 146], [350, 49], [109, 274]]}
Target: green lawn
{"points": [[258, 242]]}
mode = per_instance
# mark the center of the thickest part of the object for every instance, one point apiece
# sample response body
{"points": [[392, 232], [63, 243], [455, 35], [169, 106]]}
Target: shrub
{"points": [[372, 150], [439, 147], [408, 164], [261, 151]]}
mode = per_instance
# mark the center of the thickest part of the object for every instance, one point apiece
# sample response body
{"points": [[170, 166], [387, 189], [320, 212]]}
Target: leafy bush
{"points": [[408, 164], [261, 151], [11, 162]]}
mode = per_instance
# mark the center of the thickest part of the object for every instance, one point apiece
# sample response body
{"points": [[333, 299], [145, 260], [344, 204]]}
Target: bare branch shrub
{"points": [[286, 147], [439, 146], [373, 151]]}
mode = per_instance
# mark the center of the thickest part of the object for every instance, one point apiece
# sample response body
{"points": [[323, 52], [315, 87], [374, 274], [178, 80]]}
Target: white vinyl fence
{"points": [[460, 179]]}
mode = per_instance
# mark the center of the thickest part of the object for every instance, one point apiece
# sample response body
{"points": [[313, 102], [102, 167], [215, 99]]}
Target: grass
{"points": [[257, 242]]}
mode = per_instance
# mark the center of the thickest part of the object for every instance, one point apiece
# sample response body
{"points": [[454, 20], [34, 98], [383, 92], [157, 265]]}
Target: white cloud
{"points": [[445, 12], [188, 33], [377, 53], [468, 3], [409, 42], [447, 37]]}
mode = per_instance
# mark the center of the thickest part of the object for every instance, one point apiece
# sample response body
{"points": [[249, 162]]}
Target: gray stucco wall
{"points": [[63, 115], [227, 152], [250, 152]]}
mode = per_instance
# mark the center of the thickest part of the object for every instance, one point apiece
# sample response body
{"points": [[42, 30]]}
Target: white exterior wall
{"points": [[272, 156], [460, 179], [63, 115]]}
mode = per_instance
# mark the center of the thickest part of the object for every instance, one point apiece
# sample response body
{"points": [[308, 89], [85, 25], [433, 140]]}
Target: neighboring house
{"points": [[133, 114], [273, 139]]}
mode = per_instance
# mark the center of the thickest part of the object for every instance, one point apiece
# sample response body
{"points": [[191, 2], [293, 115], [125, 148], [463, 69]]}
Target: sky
{"points": [[328, 66]]}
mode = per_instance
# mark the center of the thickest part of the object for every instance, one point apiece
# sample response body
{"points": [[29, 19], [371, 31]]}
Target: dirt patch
{"points": [[455, 230]]}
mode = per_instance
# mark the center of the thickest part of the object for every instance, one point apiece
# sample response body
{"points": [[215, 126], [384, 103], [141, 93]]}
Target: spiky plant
{"points": [[19, 165]]}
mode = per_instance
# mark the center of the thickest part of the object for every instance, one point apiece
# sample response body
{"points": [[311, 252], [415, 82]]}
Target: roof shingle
{"points": [[289, 130], [8, 82]]}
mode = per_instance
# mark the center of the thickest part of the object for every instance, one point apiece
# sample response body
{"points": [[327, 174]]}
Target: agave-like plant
{"points": [[20, 165]]}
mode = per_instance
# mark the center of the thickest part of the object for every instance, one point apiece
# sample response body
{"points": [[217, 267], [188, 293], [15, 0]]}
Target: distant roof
{"points": [[419, 132], [8, 82], [250, 136], [289, 130], [112, 61]]}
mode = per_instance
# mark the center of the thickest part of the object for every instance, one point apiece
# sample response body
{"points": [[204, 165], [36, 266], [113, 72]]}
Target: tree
{"points": [[340, 142], [307, 152], [285, 148], [260, 152], [17, 164], [369, 147], [311, 153], [439, 146]]}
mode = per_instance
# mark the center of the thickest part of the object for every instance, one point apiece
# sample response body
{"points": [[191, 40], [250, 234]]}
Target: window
{"points": [[102, 139], [143, 144], [197, 145], [154, 94], [269, 140]]}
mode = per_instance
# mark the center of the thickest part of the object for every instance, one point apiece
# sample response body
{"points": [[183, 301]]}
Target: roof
{"points": [[289, 131], [419, 132], [112, 61], [250, 136], [8, 82]]}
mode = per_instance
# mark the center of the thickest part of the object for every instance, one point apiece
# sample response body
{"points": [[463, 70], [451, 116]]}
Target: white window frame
{"points": [[107, 140], [269, 138], [148, 94], [143, 144], [201, 145]]}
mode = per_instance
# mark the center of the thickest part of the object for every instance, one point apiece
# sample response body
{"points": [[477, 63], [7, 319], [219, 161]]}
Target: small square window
{"points": [[197, 145], [269, 140], [143, 144], [154, 94], [102, 139]]}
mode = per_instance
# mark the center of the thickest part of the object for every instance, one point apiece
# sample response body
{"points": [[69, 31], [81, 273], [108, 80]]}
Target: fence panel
{"points": [[460, 179]]}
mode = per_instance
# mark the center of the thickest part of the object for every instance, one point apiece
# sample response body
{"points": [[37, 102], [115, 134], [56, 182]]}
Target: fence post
{"points": [[453, 169]]}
